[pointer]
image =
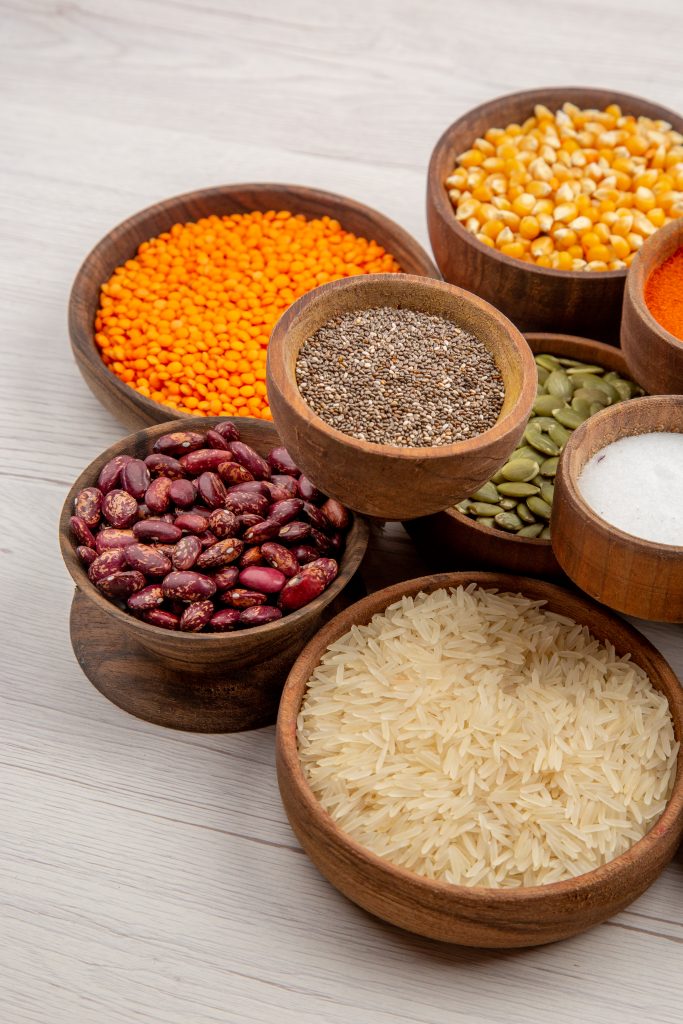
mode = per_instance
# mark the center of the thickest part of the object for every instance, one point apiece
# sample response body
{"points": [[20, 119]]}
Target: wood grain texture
{"points": [[450, 539], [653, 355], [634, 576], [535, 298], [150, 876], [453, 913], [382, 480], [121, 243]]}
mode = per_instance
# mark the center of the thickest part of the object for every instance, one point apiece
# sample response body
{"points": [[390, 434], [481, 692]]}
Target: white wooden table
{"points": [[149, 877]]}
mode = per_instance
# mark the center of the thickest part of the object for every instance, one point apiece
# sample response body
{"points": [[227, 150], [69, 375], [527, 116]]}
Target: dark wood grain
{"points": [[121, 243], [382, 480], [207, 682], [653, 355], [535, 298], [636, 577], [451, 540], [451, 913]]}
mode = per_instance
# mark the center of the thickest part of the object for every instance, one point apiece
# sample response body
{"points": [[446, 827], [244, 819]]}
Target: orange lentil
{"points": [[189, 318]]}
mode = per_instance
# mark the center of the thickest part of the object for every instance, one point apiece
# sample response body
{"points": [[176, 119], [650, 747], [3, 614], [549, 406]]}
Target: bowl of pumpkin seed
{"points": [[505, 524]]}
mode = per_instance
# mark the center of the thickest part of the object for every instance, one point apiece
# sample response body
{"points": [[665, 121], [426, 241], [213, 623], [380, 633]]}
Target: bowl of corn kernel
{"points": [[171, 312], [538, 201]]}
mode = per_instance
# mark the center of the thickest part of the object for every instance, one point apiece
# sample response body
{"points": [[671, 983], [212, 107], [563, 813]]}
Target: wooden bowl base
{"points": [[200, 701]]}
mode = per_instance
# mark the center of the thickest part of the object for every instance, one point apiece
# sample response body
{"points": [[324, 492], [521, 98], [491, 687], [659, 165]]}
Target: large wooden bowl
{"points": [[205, 682], [382, 480], [535, 298], [653, 355], [450, 539], [636, 577], [476, 916], [121, 243]]}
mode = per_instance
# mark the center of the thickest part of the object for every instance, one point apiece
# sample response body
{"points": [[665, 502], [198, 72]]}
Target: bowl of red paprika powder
{"points": [[652, 318]]}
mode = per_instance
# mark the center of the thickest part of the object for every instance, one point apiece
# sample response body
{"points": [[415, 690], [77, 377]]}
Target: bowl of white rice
{"points": [[483, 759]]}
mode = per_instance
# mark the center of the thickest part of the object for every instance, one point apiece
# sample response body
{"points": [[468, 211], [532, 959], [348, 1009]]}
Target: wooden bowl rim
{"points": [[533, 542], [84, 339], [359, 531], [438, 195], [636, 280], [277, 369], [362, 611], [574, 443]]}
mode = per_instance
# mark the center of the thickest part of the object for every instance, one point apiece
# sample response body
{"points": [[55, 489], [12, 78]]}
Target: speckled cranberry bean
{"points": [[82, 532], [286, 483], [259, 616], [178, 443], [336, 514], [251, 460], [157, 530], [88, 505], [196, 616], [111, 560], [252, 556], [147, 559], [277, 493], [300, 591], [188, 586], [207, 538], [226, 578], [280, 557], [249, 519], [135, 478], [280, 461], [161, 618], [336, 542], [241, 502], [305, 553], [227, 430], [186, 552], [222, 553], [120, 509], [86, 555], [308, 491], [223, 523], [212, 490], [164, 465], [225, 620], [262, 578], [214, 439], [233, 473], [165, 549], [158, 494], [325, 568], [192, 522], [251, 487], [111, 538], [321, 541], [260, 532], [147, 598], [110, 474], [316, 517], [283, 512], [205, 460], [183, 493], [121, 584], [240, 598], [294, 533]]}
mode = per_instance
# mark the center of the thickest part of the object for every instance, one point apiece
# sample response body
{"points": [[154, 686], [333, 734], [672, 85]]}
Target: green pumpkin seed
{"points": [[568, 418], [543, 375], [524, 452], [463, 506], [507, 504], [611, 376], [487, 492], [609, 390], [486, 521], [545, 533], [518, 489], [596, 407], [520, 469], [484, 508], [548, 362], [574, 363], [497, 477], [547, 492], [540, 442], [591, 395], [549, 467], [623, 388], [587, 368], [586, 380], [557, 433], [541, 422], [539, 507], [532, 531], [581, 406], [545, 405], [558, 383], [509, 521], [524, 514]]}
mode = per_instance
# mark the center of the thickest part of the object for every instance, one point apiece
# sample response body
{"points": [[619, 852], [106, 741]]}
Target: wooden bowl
{"points": [[451, 539], [205, 682], [120, 244], [452, 913], [653, 355], [634, 576], [382, 480], [535, 298]]}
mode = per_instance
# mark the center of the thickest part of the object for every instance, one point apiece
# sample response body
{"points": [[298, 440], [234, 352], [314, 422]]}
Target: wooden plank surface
{"points": [[149, 876]]}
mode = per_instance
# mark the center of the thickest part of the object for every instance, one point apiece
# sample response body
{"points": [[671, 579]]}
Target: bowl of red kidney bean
{"points": [[207, 547]]}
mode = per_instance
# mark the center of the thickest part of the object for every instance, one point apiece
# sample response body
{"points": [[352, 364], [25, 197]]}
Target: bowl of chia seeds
{"points": [[505, 524], [399, 394]]}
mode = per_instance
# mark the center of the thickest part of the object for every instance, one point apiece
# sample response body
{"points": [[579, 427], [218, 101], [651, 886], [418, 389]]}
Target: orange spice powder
{"points": [[664, 294], [187, 321]]}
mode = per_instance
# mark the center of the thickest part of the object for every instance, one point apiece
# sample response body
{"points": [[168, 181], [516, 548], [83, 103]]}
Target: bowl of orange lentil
{"points": [[171, 313], [538, 202]]}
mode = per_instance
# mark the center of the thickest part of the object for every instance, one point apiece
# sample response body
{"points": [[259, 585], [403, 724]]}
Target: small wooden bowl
{"points": [[121, 243], [476, 916], [535, 298], [382, 480], [634, 576], [452, 539], [654, 355], [203, 682]]}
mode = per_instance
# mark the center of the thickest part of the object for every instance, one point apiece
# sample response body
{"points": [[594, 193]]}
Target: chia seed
{"points": [[400, 377]]}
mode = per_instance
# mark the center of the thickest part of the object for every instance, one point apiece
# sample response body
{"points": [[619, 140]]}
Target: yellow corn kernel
{"points": [[620, 246], [578, 264], [472, 224], [634, 240], [589, 239], [656, 217], [501, 202], [542, 246], [542, 113], [454, 195], [643, 225], [471, 158], [484, 146], [676, 210], [540, 189], [610, 217], [566, 212], [644, 199], [561, 261], [581, 224], [485, 239], [529, 228], [617, 265], [596, 265], [539, 170], [564, 237], [514, 129], [505, 237], [545, 221], [492, 228], [508, 151], [602, 231], [510, 218], [576, 252], [482, 193], [524, 204], [544, 261], [492, 164], [514, 249]]}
